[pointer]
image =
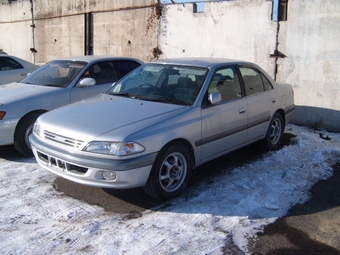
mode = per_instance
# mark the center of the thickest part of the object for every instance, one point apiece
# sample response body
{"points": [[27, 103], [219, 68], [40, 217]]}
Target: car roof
{"points": [[200, 61], [95, 58]]}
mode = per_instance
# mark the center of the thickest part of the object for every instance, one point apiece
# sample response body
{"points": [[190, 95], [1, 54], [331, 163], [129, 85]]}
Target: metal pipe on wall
{"points": [[33, 50], [88, 34]]}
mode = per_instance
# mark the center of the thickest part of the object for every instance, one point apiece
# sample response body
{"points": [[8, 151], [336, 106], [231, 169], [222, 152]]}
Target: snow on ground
{"points": [[37, 219]]}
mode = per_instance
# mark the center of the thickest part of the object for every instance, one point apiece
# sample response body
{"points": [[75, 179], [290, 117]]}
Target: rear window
{"points": [[9, 64]]}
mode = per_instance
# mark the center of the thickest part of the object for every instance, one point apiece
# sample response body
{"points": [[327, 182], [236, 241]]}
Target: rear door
{"points": [[224, 125], [11, 70], [261, 102]]}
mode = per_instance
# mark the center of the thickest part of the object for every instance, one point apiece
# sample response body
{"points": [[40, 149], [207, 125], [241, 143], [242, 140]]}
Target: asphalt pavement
{"points": [[312, 228]]}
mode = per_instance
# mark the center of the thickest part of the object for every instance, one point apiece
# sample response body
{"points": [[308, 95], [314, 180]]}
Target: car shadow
{"points": [[9, 153]]}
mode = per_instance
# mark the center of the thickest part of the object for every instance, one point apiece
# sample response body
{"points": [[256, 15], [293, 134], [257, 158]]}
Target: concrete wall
{"points": [[128, 33], [122, 28], [15, 30], [239, 29], [310, 40]]}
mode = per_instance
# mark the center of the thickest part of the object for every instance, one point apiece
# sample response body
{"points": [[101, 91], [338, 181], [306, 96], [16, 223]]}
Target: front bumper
{"points": [[88, 169], [7, 129]]}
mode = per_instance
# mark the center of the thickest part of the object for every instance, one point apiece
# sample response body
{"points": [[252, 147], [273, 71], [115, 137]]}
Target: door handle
{"points": [[241, 111]]}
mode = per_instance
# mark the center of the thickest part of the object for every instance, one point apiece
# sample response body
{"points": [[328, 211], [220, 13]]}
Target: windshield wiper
{"points": [[120, 94], [125, 94], [168, 100], [51, 85]]}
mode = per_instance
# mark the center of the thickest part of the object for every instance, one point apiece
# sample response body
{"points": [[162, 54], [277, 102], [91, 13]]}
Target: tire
{"points": [[23, 130], [170, 172], [274, 134]]}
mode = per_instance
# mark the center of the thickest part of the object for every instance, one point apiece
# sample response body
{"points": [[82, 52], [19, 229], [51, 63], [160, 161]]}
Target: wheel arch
{"points": [[187, 144], [281, 111], [40, 111]]}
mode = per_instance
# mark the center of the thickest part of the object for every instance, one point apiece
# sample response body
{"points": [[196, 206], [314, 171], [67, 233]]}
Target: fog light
{"points": [[109, 175]]}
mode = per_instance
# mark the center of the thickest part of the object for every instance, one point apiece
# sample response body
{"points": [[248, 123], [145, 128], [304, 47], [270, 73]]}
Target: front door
{"points": [[224, 125]]}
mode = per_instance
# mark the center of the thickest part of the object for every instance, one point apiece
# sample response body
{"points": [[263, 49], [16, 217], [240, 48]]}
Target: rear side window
{"points": [[103, 72], [9, 64], [266, 83], [125, 66], [254, 81]]}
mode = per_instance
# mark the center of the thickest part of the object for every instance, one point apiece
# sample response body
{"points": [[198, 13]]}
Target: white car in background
{"points": [[14, 69], [58, 83]]}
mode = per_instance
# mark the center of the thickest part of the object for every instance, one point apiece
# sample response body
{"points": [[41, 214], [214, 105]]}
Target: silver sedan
{"points": [[58, 83], [155, 126]]}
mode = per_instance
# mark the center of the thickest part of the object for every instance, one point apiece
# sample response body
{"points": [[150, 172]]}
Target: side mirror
{"points": [[215, 97], [87, 82]]}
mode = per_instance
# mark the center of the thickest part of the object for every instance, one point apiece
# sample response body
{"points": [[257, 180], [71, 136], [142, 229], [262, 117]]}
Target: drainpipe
{"points": [[88, 34], [275, 55], [276, 17], [33, 50]]}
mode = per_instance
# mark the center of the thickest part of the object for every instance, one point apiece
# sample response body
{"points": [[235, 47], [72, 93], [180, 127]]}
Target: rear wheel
{"points": [[274, 133], [22, 132], [170, 172]]}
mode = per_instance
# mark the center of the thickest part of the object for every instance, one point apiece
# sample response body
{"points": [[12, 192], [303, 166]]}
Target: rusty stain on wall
{"points": [[154, 17]]}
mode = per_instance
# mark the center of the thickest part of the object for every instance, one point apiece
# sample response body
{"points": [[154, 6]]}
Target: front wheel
{"points": [[22, 132], [274, 133], [170, 172]]}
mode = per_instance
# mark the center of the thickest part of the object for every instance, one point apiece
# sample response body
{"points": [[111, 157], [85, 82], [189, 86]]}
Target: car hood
{"points": [[106, 117], [13, 92]]}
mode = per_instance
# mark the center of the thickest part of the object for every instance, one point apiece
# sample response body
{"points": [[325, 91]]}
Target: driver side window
{"points": [[226, 82]]}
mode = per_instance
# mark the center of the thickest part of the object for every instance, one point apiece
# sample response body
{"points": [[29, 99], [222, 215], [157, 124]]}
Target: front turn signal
{"points": [[2, 114]]}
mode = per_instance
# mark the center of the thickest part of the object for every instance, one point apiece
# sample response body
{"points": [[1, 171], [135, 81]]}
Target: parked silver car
{"points": [[155, 126], [14, 69], [58, 83]]}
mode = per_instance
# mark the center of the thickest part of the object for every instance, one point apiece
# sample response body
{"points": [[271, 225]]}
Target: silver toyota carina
{"points": [[156, 125]]}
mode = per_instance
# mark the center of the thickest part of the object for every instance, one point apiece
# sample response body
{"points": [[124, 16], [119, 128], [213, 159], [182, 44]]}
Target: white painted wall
{"points": [[310, 39], [242, 29], [229, 29]]}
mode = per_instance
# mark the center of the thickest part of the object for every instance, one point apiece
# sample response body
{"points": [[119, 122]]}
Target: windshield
{"points": [[58, 73], [176, 84]]}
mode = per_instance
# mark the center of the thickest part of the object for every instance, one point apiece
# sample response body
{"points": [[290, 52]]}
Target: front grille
{"points": [[64, 140], [53, 162]]}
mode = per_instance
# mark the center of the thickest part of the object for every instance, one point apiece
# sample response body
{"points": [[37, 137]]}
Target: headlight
{"points": [[36, 129], [113, 148]]}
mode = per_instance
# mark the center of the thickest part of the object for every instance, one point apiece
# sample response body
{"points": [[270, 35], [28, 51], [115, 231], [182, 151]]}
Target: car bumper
{"points": [[90, 169], [7, 128], [289, 111]]}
